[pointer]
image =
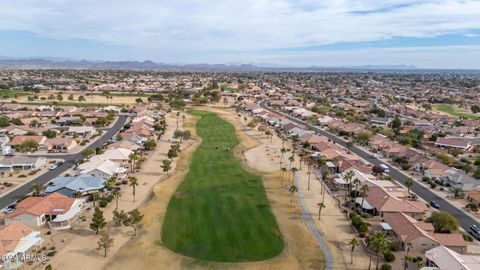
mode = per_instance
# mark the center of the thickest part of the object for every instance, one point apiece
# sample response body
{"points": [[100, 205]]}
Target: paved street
{"points": [[464, 219], [70, 161]]}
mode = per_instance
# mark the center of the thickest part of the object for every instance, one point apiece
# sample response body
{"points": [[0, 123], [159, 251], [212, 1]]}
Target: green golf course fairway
{"points": [[220, 211]]}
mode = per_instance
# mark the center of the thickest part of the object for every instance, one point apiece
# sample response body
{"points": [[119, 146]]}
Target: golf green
{"points": [[220, 211]]}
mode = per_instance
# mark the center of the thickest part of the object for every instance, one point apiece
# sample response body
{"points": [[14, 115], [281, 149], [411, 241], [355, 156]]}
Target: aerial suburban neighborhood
{"points": [[366, 170]]}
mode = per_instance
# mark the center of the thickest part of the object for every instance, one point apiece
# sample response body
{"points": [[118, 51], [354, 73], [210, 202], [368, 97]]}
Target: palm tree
{"points": [[37, 189], [132, 158], [364, 190], [408, 246], [293, 170], [292, 190], [409, 184], [457, 192], [283, 171], [133, 183], [353, 244], [348, 178], [356, 182], [309, 171], [291, 159], [117, 194], [378, 244], [303, 156], [320, 206]]}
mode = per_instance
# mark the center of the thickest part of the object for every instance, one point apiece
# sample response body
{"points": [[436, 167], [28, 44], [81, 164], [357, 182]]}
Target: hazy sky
{"points": [[425, 33]]}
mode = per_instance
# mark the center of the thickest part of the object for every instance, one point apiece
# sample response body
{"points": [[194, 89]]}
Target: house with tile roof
{"points": [[421, 234], [16, 239], [55, 209], [379, 201]]}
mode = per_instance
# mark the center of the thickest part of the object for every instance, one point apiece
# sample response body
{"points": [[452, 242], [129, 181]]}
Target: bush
{"points": [[386, 266], [124, 182], [51, 253], [433, 185], [389, 256], [103, 203], [363, 228], [395, 246], [48, 267], [352, 215], [467, 238], [361, 235], [365, 215]]}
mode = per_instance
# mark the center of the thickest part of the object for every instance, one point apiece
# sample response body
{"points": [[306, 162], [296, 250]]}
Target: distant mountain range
{"points": [[59, 63]]}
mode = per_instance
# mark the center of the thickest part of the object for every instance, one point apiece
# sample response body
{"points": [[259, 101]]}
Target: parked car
{"points": [[52, 167], [386, 169], [9, 209], [434, 204], [475, 231]]}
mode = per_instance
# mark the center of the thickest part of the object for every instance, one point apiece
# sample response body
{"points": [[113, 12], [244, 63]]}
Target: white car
{"points": [[52, 167]]}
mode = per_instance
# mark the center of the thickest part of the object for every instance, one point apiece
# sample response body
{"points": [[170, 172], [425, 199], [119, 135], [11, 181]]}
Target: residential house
{"points": [[379, 201], [21, 163], [61, 145], [119, 155], [21, 139], [443, 258], [83, 131], [16, 239], [421, 234], [456, 143], [102, 168], [75, 185], [55, 209]]}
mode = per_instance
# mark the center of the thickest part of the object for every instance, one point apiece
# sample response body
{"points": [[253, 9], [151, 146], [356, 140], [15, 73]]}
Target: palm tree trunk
{"points": [[370, 262], [378, 259]]}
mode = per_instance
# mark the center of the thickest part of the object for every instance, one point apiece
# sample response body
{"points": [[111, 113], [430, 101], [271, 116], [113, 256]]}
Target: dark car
{"points": [[475, 231], [434, 204]]}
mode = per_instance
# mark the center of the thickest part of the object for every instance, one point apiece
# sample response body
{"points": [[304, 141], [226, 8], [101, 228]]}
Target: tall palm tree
{"points": [[133, 183], [321, 205], [356, 182], [292, 190], [132, 158], [293, 170], [364, 190], [37, 189], [348, 178], [353, 244], [409, 184], [282, 151], [406, 258], [283, 171], [117, 194], [309, 172], [378, 244], [291, 159]]}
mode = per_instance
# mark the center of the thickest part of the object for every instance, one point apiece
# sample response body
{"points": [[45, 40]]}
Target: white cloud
{"points": [[242, 26]]}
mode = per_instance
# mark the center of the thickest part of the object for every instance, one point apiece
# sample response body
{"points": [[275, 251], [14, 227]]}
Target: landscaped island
{"points": [[220, 212]]}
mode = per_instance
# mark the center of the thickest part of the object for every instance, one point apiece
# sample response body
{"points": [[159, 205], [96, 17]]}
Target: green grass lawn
{"points": [[220, 212], [9, 93], [448, 109]]}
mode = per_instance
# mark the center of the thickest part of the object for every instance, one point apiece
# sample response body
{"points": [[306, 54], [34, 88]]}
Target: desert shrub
{"points": [[389, 256], [51, 253], [386, 266]]}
